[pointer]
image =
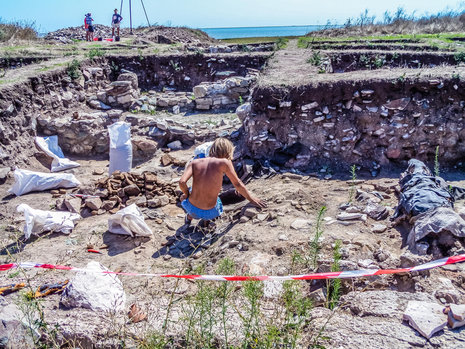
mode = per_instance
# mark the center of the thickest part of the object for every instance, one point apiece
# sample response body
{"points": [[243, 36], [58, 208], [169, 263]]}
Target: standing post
{"points": [[142, 2], [130, 15], [121, 8]]}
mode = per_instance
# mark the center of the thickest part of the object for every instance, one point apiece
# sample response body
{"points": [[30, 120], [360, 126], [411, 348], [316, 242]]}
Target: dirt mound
{"points": [[156, 34]]}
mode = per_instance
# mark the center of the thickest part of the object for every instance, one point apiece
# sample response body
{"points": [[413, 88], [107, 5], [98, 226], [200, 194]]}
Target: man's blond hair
{"points": [[222, 148]]}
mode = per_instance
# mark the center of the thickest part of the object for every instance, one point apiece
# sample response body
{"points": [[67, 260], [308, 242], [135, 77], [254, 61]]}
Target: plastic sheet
{"points": [[129, 221], [27, 181], [49, 145], [38, 221]]}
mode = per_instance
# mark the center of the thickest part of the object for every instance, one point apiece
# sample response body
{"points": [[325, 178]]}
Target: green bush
{"points": [[73, 69]]}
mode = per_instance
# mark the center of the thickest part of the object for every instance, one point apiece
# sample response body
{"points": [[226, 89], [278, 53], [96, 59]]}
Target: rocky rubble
{"points": [[154, 34], [110, 194]]}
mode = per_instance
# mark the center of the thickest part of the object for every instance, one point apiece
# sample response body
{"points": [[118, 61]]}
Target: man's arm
{"points": [[183, 181], [240, 187]]}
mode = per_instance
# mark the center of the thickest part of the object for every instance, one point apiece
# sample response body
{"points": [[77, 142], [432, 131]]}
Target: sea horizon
{"points": [[262, 31]]}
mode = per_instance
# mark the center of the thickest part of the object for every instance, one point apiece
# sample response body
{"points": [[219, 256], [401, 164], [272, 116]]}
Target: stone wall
{"points": [[373, 124], [185, 71]]}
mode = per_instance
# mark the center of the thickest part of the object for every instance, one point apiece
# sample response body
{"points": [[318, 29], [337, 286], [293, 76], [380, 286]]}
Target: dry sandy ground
{"points": [[270, 245]]}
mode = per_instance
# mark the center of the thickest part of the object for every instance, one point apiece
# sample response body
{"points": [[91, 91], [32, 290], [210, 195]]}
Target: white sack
{"points": [[129, 221], [38, 221], [27, 181], [120, 147], [203, 149], [49, 145]]}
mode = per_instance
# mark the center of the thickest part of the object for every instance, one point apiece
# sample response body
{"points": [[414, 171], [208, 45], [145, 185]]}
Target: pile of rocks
{"points": [[67, 35], [154, 34], [110, 194]]}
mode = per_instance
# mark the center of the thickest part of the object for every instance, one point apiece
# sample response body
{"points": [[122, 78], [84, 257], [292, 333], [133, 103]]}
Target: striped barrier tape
{"points": [[315, 276]]}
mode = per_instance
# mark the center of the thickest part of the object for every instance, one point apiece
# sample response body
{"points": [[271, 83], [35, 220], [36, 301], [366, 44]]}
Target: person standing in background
{"points": [[115, 23], [89, 27]]}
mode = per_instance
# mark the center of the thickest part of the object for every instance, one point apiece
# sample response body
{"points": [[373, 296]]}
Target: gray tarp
{"points": [[420, 191], [440, 219]]}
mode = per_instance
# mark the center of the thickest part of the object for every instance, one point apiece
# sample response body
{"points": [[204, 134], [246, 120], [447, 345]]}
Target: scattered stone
{"points": [[318, 297], [376, 211], [283, 237], [272, 289], [301, 224], [244, 219], [378, 228], [427, 318], [249, 212], [4, 174], [72, 204], [93, 203], [98, 172], [95, 291], [136, 314], [367, 264], [14, 333], [458, 311], [344, 216], [132, 190], [176, 145]]}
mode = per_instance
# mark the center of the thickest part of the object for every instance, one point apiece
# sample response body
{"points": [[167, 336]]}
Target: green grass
{"points": [[442, 40]]}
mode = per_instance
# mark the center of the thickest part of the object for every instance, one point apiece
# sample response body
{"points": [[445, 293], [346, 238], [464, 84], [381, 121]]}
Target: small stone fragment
{"points": [[427, 318], [378, 228]]}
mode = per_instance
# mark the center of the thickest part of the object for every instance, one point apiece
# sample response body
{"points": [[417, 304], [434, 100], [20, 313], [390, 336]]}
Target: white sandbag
{"points": [[27, 181], [49, 145], [203, 150], [120, 147], [38, 221], [129, 221]]}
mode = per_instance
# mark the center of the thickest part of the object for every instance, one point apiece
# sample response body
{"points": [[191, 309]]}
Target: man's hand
{"points": [[183, 197], [257, 202]]}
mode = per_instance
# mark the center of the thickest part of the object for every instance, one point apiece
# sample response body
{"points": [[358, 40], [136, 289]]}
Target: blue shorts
{"points": [[198, 213]]}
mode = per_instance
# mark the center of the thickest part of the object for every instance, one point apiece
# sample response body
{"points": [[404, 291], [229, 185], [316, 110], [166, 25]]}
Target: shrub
{"points": [[73, 69]]}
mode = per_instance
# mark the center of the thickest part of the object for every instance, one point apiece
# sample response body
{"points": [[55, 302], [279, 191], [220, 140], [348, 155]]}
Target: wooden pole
{"points": [[142, 2], [130, 15]]}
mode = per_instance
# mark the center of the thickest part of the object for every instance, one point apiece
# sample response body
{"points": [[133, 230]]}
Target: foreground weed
{"points": [[333, 287], [353, 177], [315, 246], [253, 293], [436, 162], [297, 310], [224, 290]]}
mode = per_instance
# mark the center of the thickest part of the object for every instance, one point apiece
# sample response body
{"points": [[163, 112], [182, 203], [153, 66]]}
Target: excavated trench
{"points": [[372, 122], [366, 116], [342, 62], [79, 110]]}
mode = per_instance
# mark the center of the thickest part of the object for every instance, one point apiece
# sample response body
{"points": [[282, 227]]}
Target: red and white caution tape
{"points": [[316, 276]]}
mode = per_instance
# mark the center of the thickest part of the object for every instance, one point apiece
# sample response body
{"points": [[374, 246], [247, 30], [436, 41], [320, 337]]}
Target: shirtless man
{"points": [[202, 201]]}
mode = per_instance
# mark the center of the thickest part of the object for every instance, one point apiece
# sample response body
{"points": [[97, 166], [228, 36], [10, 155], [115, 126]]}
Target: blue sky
{"points": [[53, 14]]}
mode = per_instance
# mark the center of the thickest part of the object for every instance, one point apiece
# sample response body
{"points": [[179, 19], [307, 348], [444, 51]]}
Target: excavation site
{"points": [[355, 145]]}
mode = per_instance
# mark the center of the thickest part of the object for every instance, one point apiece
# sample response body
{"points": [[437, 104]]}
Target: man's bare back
{"points": [[207, 181]]}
